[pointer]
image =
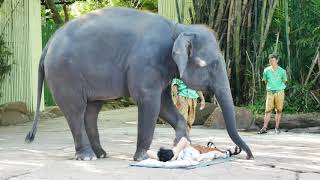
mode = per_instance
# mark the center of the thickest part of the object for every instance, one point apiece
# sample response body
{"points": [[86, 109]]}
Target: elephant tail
{"points": [[30, 136]]}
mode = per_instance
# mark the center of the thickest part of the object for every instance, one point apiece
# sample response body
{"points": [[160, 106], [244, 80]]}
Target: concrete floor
{"points": [[285, 156]]}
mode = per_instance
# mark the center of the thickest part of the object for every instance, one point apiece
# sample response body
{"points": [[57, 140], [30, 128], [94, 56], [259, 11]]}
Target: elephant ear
{"points": [[182, 50]]}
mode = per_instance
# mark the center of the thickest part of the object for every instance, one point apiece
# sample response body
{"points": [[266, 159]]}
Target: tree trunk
{"points": [[55, 14], [236, 45], [230, 24], [65, 10], [219, 15], [272, 7], [287, 38], [178, 11]]}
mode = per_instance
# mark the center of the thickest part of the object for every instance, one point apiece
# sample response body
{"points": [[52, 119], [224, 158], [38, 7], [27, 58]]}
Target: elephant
{"points": [[122, 52]]}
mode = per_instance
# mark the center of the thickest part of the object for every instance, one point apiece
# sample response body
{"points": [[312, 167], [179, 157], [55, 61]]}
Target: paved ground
{"points": [[284, 156]]}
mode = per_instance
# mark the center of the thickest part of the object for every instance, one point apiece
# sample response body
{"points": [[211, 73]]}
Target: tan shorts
{"points": [[274, 101], [187, 109]]}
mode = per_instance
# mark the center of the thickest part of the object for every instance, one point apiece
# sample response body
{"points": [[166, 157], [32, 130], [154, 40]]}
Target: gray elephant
{"points": [[119, 52]]}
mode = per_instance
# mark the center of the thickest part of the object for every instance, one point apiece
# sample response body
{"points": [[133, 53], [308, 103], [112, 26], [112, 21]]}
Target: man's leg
{"points": [[279, 100], [278, 119], [268, 111], [192, 103], [183, 109], [266, 119]]}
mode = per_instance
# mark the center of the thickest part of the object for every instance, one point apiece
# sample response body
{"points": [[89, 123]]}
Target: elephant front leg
{"points": [[170, 114], [148, 112]]}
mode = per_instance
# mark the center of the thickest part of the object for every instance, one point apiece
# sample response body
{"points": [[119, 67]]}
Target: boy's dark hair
{"points": [[273, 56], [165, 154]]}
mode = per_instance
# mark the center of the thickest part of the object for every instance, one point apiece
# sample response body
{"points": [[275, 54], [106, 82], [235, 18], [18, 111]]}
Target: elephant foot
{"points": [[85, 154], [100, 153], [181, 132], [140, 155], [249, 157], [177, 139]]}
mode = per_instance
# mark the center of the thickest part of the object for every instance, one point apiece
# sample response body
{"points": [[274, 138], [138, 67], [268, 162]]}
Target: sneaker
{"points": [[263, 130], [277, 130]]}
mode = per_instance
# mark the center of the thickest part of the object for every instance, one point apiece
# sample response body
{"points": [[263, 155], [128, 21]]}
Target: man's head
{"points": [[165, 154], [273, 60]]}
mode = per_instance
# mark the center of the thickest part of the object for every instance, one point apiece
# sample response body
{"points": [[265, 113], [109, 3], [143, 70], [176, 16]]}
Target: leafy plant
{"points": [[301, 99], [5, 65], [83, 7]]}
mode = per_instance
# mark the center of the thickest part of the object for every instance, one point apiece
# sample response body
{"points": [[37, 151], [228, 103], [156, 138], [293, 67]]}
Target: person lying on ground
{"points": [[184, 150]]}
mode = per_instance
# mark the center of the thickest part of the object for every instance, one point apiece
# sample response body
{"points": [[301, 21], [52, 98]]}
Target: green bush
{"points": [[5, 65], [298, 98]]}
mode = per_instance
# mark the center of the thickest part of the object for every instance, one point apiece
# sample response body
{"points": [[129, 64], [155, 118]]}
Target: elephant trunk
{"points": [[224, 98]]}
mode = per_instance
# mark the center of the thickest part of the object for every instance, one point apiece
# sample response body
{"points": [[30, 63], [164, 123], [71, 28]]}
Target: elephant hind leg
{"points": [[74, 107], [90, 119]]}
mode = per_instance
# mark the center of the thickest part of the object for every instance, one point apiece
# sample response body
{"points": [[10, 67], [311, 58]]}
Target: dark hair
{"points": [[273, 56], [165, 154]]}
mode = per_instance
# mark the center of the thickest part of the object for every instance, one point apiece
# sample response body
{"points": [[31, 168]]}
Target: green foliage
{"points": [[304, 34], [83, 7], [259, 104], [48, 29], [298, 98], [5, 65]]}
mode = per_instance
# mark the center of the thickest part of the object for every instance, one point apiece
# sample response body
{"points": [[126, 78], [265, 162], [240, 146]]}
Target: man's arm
{"points": [[285, 77], [203, 102], [182, 144], [264, 77], [152, 155], [174, 89], [265, 81]]}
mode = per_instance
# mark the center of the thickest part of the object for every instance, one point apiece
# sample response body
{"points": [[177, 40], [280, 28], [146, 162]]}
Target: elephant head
{"points": [[202, 67]]}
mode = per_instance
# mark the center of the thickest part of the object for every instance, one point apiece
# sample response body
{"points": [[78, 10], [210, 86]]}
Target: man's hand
{"points": [[203, 102], [265, 81], [178, 103]]}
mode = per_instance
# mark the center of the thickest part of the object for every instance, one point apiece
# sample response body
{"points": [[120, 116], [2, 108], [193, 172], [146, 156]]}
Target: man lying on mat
{"points": [[186, 151]]}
